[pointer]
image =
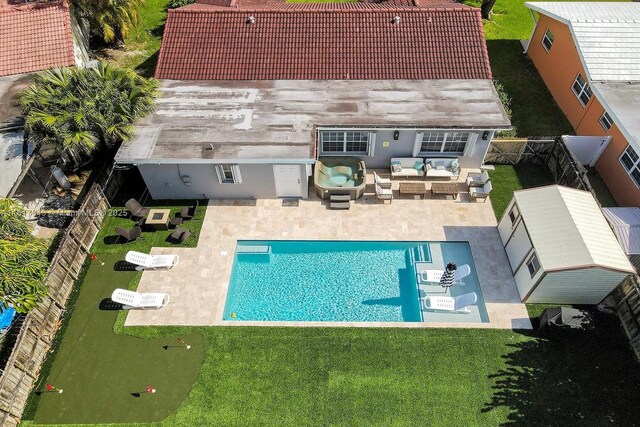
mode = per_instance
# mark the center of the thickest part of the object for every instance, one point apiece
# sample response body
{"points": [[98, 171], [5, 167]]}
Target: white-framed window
{"points": [[228, 174], [605, 121], [581, 89], [533, 265], [444, 142], [344, 142], [514, 214], [547, 40], [630, 161]]}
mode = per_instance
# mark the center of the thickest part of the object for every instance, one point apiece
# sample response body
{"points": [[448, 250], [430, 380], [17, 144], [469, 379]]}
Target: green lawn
{"points": [[507, 179], [99, 370], [330, 376]]}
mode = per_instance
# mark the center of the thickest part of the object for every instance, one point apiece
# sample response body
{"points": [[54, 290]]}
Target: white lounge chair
{"points": [[382, 182], [457, 304], [131, 299], [146, 261], [477, 179], [424, 277]]}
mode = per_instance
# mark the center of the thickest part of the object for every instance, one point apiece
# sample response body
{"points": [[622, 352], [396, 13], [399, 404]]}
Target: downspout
{"points": [[535, 25]]}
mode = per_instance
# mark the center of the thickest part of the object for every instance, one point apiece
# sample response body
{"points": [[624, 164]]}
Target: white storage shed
{"points": [[560, 247]]}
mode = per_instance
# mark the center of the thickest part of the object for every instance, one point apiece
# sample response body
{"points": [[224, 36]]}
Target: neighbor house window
{"points": [[533, 265], [605, 121], [228, 174], [351, 142], [444, 142], [514, 214], [630, 160], [582, 90], [547, 40]]}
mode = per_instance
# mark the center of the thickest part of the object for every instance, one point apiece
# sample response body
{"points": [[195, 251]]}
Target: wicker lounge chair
{"points": [[189, 213], [151, 262], [384, 193], [382, 182], [136, 208], [477, 179], [179, 235], [130, 234], [131, 299]]}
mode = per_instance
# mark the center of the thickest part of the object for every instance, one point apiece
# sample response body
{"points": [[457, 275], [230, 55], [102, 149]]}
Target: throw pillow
{"points": [[453, 165], [395, 167], [418, 165]]}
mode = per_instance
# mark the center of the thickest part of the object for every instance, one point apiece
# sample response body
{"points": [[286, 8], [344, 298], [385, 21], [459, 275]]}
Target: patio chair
{"points": [[477, 179], [179, 235], [427, 277], [454, 304], [382, 182], [136, 208], [188, 213], [384, 193], [151, 262], [129, 235], [131, 299], [480, 192]]}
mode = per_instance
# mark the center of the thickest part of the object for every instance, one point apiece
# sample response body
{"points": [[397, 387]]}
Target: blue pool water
{"points": [[336, 281]]}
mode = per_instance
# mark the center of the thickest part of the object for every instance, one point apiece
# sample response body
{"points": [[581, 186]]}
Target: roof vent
{"points": [[251, 20], [396, 19]]}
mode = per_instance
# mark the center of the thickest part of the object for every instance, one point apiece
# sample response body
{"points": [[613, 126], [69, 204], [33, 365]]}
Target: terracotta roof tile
{"points": [[34, 38], [323, 42]]}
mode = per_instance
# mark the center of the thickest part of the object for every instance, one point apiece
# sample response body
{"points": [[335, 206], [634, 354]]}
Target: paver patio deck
{"points": [[198, 284]]}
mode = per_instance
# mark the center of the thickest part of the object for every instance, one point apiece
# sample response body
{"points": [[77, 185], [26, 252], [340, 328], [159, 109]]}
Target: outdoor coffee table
{"points": [[413, 188], [445, 188], [158, 219]]}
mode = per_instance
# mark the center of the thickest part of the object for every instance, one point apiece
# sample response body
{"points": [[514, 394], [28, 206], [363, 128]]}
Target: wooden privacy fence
{"points": [[625, 299], [36, 334], [551, 153]]}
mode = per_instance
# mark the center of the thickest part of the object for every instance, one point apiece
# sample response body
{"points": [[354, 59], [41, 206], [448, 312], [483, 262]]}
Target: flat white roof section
{"points": [[607, 35], [275, 119], [568, 230], [626, 226], [622, 102]]}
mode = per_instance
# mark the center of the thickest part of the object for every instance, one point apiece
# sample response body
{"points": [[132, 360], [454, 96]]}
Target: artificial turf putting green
{"points": [[99, 370]]}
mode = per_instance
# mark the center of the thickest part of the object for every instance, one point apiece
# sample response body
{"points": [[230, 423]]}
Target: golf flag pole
{"points": [[181, 341], [52, 388], [94, 257]]}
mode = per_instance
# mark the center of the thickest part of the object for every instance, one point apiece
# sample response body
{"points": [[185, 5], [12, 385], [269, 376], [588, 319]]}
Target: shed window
{"points": [[347, 142], [444, 142], [630, 160], [228, 174], [605, 121], [547, 40], [514, 214], [533, 265], [582, 90]]}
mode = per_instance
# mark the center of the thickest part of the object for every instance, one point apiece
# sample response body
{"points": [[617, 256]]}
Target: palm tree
{"points": [[23, 260], [111, 20], [83, 110]]}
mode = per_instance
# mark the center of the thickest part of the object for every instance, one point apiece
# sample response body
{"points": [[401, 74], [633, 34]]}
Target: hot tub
{"points": [[339, 175]]}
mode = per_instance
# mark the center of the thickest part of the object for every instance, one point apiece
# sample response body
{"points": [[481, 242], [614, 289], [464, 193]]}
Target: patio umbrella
{"points": [[449, 275]]}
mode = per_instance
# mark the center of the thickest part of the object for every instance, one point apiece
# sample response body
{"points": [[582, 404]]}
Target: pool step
{"points": [[257, 249], [340, 201]]}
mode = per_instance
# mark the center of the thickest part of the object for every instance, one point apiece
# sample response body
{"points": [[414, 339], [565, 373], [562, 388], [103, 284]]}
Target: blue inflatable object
{"points": [[6, 317]]}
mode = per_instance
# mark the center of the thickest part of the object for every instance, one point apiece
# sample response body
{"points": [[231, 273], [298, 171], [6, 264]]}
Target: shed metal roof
{"points": [[275, 119], [607, 35], [568, 230], [626, 226]]}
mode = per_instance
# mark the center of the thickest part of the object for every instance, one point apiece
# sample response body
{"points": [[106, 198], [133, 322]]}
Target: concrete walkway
{"points": [[198, 285]]}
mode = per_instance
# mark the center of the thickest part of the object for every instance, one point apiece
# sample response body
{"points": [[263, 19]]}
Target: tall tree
{"points": [[111, 20], [486, 8], [83, 110], [23, 260]]}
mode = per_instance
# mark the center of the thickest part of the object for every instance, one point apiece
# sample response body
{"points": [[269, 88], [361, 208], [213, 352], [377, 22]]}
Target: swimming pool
{"points": [[338, 281]]}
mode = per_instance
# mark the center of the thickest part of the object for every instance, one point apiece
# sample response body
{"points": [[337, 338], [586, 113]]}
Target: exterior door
{"points": [[288, 180]]}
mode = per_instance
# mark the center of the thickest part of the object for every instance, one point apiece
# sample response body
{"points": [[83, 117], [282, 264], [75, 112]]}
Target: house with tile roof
{"points": [[588, 54], [255, 91], [39, 35]]}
